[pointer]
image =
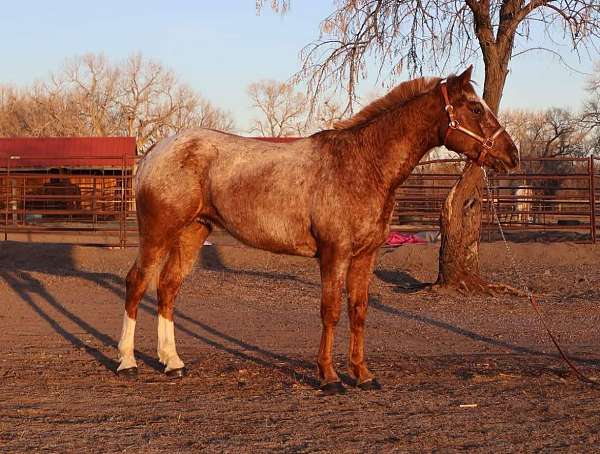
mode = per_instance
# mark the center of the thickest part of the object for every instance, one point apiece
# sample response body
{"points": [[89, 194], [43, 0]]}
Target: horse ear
{"points": [[465, 77]]}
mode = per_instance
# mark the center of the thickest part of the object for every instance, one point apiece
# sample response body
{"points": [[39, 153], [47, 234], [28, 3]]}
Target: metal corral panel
{"points": [[34, 152]]}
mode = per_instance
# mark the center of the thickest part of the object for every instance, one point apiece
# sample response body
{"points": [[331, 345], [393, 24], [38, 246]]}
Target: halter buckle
{"points": [[488, 144]]}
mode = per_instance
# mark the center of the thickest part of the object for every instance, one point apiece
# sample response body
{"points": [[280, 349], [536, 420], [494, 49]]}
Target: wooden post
{"points": [[592, 186]]}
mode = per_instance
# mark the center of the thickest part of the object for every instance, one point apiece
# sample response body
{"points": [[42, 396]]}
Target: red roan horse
{"points": [[328, 196]]}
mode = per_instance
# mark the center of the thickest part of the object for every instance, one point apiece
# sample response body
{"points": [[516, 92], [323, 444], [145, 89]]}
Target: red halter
{"points": [[486, 142]]}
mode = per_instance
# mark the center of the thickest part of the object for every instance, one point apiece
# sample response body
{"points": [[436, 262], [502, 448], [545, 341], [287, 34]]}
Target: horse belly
{"points": [[274, 232], [274, 219], [264, 199]]}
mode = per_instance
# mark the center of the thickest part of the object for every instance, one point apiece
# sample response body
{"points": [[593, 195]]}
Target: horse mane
{"points": [[397, 96]]}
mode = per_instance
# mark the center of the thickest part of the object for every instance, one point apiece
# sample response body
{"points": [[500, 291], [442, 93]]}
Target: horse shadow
{"points": [[211, 259], [402, 281], [19, 262]]}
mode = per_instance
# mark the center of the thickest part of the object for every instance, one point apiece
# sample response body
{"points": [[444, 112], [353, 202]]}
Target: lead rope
{"points": [[530, 296]]}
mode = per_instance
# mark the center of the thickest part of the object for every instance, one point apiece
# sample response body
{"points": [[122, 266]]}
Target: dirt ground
{"points": [[457, 373]]}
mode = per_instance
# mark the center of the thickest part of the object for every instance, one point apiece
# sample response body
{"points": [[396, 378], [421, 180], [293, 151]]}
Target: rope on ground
{"points": [[584, 378]]}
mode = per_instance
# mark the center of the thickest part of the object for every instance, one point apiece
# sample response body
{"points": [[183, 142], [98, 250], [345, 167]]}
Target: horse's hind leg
{"points": [[182, 256], [359, 278], [140, 274]]}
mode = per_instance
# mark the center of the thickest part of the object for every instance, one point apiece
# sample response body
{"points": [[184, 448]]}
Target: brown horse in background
{"points": [[328, 196]]}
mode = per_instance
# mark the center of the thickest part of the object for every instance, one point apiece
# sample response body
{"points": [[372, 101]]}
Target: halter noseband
{"points": [[486, 142]]}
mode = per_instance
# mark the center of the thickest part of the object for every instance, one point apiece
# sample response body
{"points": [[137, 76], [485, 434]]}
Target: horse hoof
{"points": [[371, 385], [130, 372], [334, 388], [176, 373]]}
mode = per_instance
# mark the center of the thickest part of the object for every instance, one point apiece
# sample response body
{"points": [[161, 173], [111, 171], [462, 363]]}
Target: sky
{"points": [[220, 47]]}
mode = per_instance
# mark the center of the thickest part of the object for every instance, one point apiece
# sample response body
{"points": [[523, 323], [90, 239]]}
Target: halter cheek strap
{"points": [[487, 143]]}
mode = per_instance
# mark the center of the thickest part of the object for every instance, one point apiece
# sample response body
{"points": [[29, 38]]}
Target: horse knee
{"points": [[171, 275], [330, 315], [167, 291], [357, 313], [133, 279], [133, 282], [169, 282]]}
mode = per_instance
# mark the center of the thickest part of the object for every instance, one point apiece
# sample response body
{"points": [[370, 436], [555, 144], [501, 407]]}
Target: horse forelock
{"points": [[396, 97]]}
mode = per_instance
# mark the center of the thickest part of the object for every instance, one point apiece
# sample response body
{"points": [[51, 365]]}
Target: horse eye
{"points": [[476, 109]]}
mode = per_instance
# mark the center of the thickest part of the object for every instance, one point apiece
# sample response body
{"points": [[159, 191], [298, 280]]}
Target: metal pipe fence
{"points": [[551, 198], [68, 204], [545, 198]]}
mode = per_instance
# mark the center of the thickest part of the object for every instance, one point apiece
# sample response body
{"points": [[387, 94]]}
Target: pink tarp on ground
{"points": [[396, 239]]}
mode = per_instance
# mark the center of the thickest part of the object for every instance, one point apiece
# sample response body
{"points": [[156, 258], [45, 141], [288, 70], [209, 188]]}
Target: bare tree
{"points": [[13, 110], [209, 116], [328, 113], [591, 109], [90, 96], [93, 82], [37, 111], [551, 133], [152, 103], [282, 109], [398, 34]]}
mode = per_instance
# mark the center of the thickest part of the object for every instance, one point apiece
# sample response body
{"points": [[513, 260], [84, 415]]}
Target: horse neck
{"points": [[397, 140]]}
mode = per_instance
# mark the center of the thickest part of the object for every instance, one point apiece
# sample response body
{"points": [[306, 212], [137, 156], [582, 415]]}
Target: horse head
{"points": [[471, 128]]}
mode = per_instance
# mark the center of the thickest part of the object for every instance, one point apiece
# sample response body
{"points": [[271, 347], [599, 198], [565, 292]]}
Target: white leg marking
{"points": [[126, 358], [167, 354]]}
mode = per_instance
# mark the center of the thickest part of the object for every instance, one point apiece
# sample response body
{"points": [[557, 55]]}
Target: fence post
{"points": [[8, 191], [94, 207], [123, 209], [592, 199], [24, 215]]}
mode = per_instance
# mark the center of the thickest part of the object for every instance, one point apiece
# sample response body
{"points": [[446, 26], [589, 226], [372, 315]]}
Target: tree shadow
{"points": [[407, 315], [539, 236], [210, 259]]}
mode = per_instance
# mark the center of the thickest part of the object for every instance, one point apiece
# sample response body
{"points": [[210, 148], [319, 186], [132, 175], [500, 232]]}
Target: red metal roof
{"points": [[67, 152]]}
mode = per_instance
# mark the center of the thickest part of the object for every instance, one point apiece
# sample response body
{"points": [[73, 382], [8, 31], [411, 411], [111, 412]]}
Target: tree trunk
{"points": [[460, 220], [460, 226]]}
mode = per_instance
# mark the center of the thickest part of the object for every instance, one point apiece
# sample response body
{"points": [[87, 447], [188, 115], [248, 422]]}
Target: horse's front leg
{"points": [[333, 274], [359, 278]]}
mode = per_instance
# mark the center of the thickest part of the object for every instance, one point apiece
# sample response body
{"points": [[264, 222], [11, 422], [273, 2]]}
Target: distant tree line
{"points": [[283, 110], [92, 96]]}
